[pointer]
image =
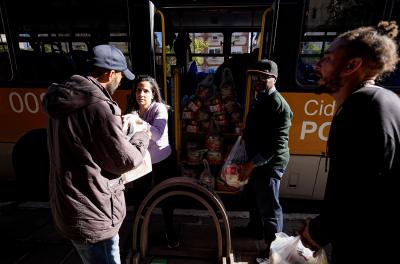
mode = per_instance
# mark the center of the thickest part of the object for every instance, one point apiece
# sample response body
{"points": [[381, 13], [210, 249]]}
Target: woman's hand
{"points": [[148, 132]]}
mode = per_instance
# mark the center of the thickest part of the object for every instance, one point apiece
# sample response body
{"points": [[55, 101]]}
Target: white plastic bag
{"points": [[132, 123], [144, 168], [289, 250], [206, 177], [231, 169]]}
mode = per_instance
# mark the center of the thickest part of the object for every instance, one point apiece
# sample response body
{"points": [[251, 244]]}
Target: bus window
{"points": [[171, 59], [323, 21], [244, 42], [207, 50], [5, 65], [52, 46], [393, 80]]}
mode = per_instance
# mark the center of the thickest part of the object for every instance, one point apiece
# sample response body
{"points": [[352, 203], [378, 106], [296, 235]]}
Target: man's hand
{"points": [[306, 238], [246, 170]]}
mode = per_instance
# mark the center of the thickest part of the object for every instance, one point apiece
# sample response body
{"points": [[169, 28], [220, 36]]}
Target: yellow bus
{"points": [[181, 43]]}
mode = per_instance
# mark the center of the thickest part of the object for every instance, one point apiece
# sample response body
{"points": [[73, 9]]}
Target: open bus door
{"points": [[206, 122]]}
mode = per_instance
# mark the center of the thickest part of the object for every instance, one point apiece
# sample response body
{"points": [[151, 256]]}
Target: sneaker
{"points": [[172, 240], [262, 260]]}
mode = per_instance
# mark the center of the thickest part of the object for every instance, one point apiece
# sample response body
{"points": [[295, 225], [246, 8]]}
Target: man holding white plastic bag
{"points": [[266, 136]]}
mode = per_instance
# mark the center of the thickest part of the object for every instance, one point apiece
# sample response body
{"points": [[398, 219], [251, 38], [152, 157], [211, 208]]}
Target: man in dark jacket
{"points": [[266, 137], [88, 153], [363, 148]]}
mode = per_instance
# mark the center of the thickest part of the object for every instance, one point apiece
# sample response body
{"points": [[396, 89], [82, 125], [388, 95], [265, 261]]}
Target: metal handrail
{"points": [[192, 189], [164, 55]]}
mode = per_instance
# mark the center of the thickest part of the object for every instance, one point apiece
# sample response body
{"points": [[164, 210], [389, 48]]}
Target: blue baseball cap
{"points": [[110, 58]]}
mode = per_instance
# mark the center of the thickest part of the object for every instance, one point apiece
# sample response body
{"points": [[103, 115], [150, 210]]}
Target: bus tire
{"points": [[31, 166]]}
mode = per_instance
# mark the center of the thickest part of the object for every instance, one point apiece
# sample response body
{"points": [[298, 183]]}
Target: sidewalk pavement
{"points": [[28, 236]]}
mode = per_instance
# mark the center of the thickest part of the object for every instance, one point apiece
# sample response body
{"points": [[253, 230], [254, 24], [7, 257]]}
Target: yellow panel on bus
{"points": [[312, 115], [21, 111]]}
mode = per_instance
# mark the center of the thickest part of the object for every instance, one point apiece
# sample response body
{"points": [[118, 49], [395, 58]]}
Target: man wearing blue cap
{"points": [[88, 153]]}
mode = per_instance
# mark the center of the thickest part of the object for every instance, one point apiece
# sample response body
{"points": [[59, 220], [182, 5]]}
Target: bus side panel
{"points": [[304, 178], [306, 175], [312, 115], [20, 111], [6, 171]]}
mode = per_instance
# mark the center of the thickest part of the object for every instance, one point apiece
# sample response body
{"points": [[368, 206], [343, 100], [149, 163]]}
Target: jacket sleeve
{"points": [[159, 123], [113, 152]]}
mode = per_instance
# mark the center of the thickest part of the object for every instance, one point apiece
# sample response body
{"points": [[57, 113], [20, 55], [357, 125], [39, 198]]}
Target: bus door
{"points": [[207, 46]]}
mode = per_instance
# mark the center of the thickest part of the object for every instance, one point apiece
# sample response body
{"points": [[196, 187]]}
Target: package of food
{"points": [[195, 105], [214, 142], [214, 157], [206, 177], [144, 168], [132, 124], [289, 250], [195, 156], [230, 174], [231, 169], [193, 127]]}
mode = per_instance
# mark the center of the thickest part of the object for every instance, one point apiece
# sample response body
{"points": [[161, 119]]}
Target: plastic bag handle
{"points": [[205, 162]]}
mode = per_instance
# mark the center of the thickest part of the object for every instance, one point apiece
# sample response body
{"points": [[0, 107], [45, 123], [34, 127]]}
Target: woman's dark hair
{"points": [[155, 89], [375, 44]]}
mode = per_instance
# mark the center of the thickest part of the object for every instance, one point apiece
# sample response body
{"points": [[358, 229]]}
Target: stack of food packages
{"points": [[211, 121]]}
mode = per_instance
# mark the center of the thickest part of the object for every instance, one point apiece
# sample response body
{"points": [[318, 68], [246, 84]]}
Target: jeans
{"points": [[262, 193], [106, 251]]}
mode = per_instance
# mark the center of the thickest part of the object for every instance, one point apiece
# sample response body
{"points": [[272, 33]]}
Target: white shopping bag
{"points": [[289, 250], [144, 168]]}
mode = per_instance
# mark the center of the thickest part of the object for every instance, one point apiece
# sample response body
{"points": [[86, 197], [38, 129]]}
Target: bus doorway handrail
{"points": [[177, 112], [164, 55], [274, 9], [262, 32]]}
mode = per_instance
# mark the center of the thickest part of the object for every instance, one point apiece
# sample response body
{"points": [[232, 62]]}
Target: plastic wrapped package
{"points": [[231, 169], [289, 250], [206, 178]]}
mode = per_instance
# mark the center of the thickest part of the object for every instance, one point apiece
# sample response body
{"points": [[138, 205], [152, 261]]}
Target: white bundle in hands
{"points": [[132, 124], [144, 168]]}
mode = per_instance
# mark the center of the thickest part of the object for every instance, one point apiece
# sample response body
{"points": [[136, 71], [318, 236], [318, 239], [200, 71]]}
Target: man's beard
{"points": [[329, 86], [113, 86]]}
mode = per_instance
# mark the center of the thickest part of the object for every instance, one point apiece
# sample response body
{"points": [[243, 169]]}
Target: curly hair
{"points": [[375, 44]]}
